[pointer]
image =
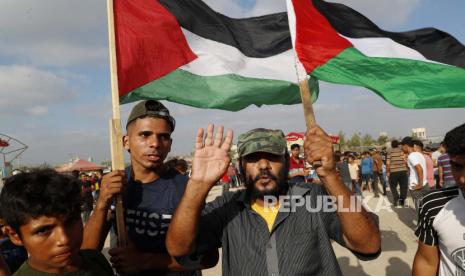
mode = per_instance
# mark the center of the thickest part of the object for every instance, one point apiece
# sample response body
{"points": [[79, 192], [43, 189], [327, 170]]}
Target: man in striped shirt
{"points": [[396, 170], [441, 227], [285, 238], [446, 179]]}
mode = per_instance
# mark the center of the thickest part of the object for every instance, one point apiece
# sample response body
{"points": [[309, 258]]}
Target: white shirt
{"points": [[353, 170], [416, 158], [449, 224], [435, 155]]}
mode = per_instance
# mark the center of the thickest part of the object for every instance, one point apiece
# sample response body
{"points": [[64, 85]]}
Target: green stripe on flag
{"points": [[402, 82], [228, 92]]}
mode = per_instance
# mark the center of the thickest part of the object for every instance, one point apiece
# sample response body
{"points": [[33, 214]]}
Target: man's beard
{"points": [[280, 180]]}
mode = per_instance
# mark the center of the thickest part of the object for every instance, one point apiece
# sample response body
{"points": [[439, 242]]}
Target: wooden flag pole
{"points": [[116, 135], [306, 96]]}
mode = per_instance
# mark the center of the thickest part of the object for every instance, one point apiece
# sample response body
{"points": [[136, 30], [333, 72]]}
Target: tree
{"points": [[354, 140], [367, 140], [382, 140], [342, 138]]}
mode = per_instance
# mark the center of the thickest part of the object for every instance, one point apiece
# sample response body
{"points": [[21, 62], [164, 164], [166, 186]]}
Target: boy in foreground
{"points": [[42, 213]]}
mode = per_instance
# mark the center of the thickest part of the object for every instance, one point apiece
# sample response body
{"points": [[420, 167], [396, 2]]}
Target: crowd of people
{"points": [[171, 230]]}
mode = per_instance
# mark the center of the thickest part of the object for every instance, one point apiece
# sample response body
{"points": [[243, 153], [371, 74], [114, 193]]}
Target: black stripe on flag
{"points": [[432, 43], [257, 37]]}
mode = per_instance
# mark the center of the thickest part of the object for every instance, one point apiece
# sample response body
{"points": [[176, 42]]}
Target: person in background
{"points": [[232, 175], [367, 173], [446, 179], [435, 156], [182, 166], [416, 162], [87, 197], [396, 170], [418, 147], [297, 171], [354, 171], [342, 167], [378, 170]]}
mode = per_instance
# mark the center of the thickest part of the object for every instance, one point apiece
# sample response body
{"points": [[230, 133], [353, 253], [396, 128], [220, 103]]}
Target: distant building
{"points": [[428, 141], [419, 133], [383, 133]]}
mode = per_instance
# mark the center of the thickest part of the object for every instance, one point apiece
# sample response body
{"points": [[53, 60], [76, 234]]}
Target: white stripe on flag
{"points": [[216, 58], [385, 47]]}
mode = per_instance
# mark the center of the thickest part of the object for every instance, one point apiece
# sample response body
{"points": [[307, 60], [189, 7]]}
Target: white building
{"points": [[419, 133]]}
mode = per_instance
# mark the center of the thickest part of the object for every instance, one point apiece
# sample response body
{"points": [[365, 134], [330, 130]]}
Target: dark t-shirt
{"points": [[148, 210], [14, 255], [93, 264], [343, 169], [86, 196]]}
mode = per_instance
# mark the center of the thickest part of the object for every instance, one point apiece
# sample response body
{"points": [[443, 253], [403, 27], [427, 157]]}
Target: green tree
{"points": [[367, 140], [382, 140], [354, 140], [342, 138]]}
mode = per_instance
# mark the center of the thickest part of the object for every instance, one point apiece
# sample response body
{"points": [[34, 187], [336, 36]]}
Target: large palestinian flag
{"points": [[185, 52]]}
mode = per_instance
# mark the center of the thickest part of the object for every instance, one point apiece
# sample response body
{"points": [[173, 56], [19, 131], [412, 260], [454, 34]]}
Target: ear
{"points": [[126, 143], [14, 236]]}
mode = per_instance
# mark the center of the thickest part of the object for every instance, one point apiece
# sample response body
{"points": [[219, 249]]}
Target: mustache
{"points": [[265, 173]]}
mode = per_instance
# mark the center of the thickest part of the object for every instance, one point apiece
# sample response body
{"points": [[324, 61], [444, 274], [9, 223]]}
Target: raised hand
{"points": [[211, 157]]}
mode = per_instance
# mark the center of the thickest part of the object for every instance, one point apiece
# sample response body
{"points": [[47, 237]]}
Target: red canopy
{"points": [[294, 136], [79, 165], [4, 143]]}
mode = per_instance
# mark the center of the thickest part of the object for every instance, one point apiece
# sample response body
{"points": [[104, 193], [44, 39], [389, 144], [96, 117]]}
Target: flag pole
{"points": [[116, 136], [306, 96]]}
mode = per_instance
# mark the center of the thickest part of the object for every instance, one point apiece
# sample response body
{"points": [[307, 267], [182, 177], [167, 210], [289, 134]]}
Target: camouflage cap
{"points": [[262, 140], [151, 108]]}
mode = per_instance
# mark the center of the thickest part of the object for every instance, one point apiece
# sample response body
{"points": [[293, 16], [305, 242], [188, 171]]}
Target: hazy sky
{"points": [[55, 87]]}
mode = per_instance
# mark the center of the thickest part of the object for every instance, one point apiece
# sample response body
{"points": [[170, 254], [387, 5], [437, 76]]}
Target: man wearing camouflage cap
{"points": [[152, 193], [258, 239]]}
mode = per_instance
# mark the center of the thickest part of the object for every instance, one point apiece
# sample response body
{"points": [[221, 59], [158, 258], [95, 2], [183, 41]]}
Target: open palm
{"points": [[211, 158]]}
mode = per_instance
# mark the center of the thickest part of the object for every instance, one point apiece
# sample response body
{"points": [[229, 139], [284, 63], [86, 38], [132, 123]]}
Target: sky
{"points": [[55, 84]]}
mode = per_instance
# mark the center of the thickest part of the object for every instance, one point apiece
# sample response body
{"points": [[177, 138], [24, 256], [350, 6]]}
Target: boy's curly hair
{"points": [[455, 141], [41, 192]]}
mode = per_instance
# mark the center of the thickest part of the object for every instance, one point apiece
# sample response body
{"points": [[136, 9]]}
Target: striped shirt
{"points": [[299, 242], [442, 224], [396, 157], [444, 162], [430, 206]]}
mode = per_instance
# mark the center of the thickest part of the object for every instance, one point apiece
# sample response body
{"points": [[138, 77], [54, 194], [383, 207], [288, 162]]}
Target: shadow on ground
{"points": [[349, 270], [406, 214], [390, 241], [397, 267]]}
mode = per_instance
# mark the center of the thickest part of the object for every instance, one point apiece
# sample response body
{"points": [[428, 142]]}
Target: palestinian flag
{"points": [[417, 69], [185, 52]]}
